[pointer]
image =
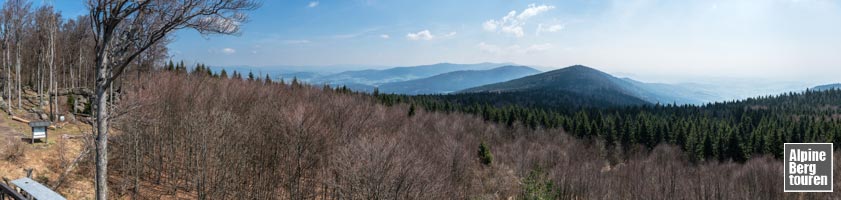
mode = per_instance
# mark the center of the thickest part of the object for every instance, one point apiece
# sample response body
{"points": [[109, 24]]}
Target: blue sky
{"points": [[785, 39]]}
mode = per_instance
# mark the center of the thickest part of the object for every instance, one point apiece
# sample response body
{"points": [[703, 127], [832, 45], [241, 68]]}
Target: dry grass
{"points": [[48, 160], [13, 150]]}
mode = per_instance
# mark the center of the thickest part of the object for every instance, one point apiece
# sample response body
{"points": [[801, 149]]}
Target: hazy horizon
{"points": [[644, 77]]}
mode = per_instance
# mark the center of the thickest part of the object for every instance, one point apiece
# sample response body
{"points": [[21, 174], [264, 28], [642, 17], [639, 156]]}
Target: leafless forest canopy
{"points": [[232, 138]]}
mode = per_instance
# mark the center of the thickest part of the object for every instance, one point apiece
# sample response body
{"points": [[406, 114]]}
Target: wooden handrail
{"points": [[6, 191]]}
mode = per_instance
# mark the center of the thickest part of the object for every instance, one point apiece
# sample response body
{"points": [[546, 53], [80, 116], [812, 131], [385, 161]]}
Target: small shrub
{"points": [[88, 109], [412, 110], [536, 186], [71, 100], [43, 179], [485, 155], [13, 150]]}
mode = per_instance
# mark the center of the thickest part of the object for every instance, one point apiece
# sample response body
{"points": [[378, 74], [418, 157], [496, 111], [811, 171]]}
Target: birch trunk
{"points": [[8, 63], [102, 71], [17, 73], [53, 81]]}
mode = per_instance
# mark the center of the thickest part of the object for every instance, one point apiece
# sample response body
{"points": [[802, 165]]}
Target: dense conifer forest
{"points": [[720, 131]]}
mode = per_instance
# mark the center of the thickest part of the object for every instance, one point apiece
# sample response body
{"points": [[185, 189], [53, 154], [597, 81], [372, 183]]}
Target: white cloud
{"points": [[385, 36], [490, 25], [514, 49], [228, 51], [427, 35], [296, 41], [422, 35], [312, 4], [513, 23], [361, 33], [515, 30], [548, 28], [534, 11], [449, 35]]}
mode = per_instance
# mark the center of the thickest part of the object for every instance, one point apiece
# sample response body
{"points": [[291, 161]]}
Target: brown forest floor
{"points": [[47, 159], [50, 159]]}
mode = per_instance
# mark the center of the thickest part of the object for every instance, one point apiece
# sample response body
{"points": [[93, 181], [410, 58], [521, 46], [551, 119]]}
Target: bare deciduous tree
{"points": [[46, 30], [17, 13], [6, 45], [124, 29]]}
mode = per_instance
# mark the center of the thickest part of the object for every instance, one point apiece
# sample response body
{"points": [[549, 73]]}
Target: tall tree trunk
{"points": [[79, 72], [17, 73], [40, 83], [102, 126], [8, 81], [70, 83], [53, 82]]}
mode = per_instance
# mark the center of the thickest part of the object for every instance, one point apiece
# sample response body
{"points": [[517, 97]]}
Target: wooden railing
{"points": [[7, 193]]}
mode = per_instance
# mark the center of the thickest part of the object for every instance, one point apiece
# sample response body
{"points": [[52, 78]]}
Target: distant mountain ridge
{"points": [[375, 77], [577, 78], [836, 86], [587, 82], [444, 78], [457, 80], [669, 93], [576, 85], [368, 79]]}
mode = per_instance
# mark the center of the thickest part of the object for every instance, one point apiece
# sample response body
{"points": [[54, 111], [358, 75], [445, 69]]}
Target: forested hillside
{"points": [[190, 135], [366, 80], [589, 84], [721, 131], [457, 80], [827, 87]]}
